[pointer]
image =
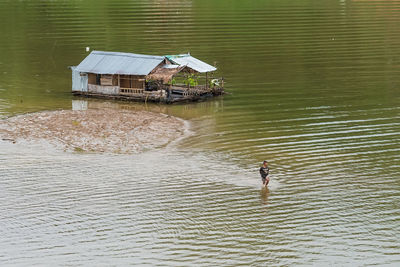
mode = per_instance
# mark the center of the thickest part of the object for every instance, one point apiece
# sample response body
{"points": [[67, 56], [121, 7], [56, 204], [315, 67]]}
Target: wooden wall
{"points": [[106, 79], [126, 81], [91, 78], [132, 81]]}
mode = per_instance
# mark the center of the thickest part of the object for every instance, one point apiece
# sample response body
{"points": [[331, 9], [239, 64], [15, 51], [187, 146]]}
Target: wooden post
{"points": [[119, 83], [206, 81]]}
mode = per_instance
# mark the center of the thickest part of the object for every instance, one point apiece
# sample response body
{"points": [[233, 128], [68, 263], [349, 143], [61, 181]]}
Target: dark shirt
{"points": [[264, 171]]}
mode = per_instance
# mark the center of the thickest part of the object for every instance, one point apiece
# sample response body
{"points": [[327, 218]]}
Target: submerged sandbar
{"points": [[95, 130]]}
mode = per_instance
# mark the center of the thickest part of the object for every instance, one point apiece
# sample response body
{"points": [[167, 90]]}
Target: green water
{"points": [[313, 87]]}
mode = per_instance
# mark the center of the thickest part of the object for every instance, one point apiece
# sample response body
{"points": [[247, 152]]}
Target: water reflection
{"points": [[264, 193], [187, 111]]}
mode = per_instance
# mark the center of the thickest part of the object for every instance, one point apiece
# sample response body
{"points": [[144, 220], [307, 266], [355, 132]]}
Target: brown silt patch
{"points": [[94, 130]]}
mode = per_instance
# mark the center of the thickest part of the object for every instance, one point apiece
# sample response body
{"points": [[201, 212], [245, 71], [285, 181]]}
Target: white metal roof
{"points": [[191, 62], [101, 62]]}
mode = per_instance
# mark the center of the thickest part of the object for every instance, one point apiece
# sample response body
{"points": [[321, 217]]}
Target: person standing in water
{"points": [[264, 171]]}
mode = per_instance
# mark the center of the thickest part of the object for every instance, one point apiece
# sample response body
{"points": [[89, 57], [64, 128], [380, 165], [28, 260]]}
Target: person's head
{"points": [[265, 163]]}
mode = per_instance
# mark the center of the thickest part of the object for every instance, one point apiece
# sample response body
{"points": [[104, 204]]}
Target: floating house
{"points": [[128, 76]]}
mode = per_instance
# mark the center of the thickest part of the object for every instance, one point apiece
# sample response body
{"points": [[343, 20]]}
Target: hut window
{"points": [[106, 79]]}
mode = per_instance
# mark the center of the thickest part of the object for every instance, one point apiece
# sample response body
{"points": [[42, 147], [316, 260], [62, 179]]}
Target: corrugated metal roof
{"points": [[101, 62], [191, 62]]}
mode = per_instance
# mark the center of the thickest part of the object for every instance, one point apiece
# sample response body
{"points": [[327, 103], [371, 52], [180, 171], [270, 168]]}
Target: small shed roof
{"points": [[191, 62], [165, 73], [101, 62]]}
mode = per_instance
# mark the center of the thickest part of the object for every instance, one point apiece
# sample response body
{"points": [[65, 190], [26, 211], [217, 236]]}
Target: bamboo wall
{"points": [[132, 81]]}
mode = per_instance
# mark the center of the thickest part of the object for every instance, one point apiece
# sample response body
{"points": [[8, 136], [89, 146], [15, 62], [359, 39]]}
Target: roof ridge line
{"points": [[126, 54]]}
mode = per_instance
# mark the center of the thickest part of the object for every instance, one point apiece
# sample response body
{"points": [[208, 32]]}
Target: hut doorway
{"points": [[79, 81], [84, 82]]}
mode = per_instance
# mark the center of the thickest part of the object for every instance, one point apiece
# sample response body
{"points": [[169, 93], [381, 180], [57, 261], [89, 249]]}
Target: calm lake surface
{"points": [[315, 89]]}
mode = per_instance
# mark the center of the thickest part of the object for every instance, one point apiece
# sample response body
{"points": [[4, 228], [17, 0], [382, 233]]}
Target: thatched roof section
{"points": [[165, 73]]}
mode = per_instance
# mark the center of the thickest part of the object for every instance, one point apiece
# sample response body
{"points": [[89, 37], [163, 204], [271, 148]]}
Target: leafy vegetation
{"points": [[191, 80]]}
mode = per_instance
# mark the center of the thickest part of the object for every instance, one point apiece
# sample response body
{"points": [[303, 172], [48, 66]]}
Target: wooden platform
{"points": [[149, 96]]}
